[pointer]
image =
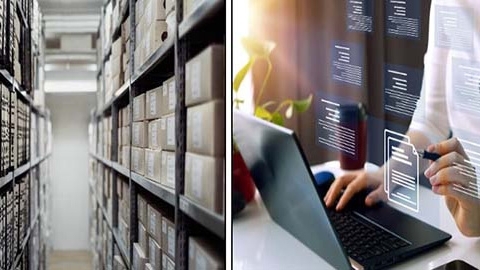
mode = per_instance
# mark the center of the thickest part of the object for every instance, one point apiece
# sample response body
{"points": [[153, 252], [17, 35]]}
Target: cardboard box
{"points": [[152, 164], [139, 10], [117, 46], [205, 181], [148, 266], [126, 156], [142, 209], [168, 237], [205, 76], [155, 253], [206, 129], [142, 237], [156, 35], [140, 134], [154, 223], [189, 7], [155, 133], [169, 96], [139, 258], [203, 255], [167, 263], [168, 169], [126, 30], [124, 232], [154, 103], [118, 263], [154, 11], [169, 6], [116, 66], [126, 135], [139, 108], [138, 160], [167, 132], [116, 82]]}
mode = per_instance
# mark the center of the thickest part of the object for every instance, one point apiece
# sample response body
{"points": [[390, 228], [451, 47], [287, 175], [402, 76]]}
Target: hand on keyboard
{"points": [[352, 184]]}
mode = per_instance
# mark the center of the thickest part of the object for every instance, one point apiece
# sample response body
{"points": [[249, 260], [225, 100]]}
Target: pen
{"points": [[430, 156]]}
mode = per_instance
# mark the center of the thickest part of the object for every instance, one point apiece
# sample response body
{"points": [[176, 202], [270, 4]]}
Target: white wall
{"points": [[69, 169]]}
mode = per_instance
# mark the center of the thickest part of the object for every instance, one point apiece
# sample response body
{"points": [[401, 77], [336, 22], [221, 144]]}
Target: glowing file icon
{"points": [[401, 180]]}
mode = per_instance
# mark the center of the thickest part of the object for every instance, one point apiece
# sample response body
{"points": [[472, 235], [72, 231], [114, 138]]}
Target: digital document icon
{"points": [[401, 180]]}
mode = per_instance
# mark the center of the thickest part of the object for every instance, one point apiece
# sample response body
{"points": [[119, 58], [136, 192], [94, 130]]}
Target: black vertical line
{"points": [[181, 253]]}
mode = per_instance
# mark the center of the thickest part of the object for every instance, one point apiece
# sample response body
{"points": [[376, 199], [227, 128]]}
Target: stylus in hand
{"points": [[430, 156]]}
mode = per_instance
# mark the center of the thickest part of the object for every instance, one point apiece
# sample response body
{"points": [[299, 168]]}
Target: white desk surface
{"points": [[259, 243]]}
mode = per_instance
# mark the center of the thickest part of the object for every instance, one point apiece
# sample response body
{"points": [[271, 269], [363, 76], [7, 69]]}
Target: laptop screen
{"points": [[283, 178]]}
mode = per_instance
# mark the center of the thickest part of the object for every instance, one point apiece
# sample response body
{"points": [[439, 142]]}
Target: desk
{"points": [[259, 243]]}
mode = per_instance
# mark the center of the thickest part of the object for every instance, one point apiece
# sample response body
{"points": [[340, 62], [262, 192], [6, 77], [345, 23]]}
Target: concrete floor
{"points": [[71, 260]]}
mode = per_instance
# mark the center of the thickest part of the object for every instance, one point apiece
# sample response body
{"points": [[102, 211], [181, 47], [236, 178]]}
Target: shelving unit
{"points": [[203, 27], [34, 172]]}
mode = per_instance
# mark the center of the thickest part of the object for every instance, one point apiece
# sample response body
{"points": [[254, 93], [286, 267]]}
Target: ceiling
{"points": [[69, 7], [63, 20]]}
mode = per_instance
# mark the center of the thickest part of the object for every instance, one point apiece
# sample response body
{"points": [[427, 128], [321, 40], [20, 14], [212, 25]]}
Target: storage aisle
{"points": [[153, 192]]}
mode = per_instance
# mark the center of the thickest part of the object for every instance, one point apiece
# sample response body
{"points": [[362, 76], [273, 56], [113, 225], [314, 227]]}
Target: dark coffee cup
{"points": [[353, 119]]}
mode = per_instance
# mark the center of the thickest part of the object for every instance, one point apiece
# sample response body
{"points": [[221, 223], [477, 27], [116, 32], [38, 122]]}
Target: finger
{"points": [[443, 162], [349, 192], [336, 188], [375, 196], [445, 147], [447, 176]]}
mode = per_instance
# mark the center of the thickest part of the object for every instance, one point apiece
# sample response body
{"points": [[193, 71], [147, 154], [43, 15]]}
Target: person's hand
{"points": [[354, 183], [451, 176]]}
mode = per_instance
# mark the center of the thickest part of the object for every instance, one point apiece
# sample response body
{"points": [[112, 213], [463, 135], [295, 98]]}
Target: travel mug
{"points": [[353, 121]]}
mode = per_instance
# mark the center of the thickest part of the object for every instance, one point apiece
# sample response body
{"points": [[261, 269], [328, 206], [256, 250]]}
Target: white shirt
{"points": [[450, 95], [443, 104]]}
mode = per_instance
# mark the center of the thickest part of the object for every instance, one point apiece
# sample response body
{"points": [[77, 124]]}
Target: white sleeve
{"points": [[431, 113]]}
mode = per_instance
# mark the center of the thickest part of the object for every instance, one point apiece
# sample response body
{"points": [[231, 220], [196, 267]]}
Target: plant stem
{"points": [[264, 84], [283, 104]]}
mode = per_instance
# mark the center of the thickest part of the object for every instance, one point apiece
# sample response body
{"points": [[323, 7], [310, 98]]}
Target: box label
{"points": [[136, 134], [152, 254], [154, 136], [197, 130], [171, 131], [164, 227], [153, 103], [151, 164], [171, 170], [196, 79], [153, 218], [165, 90], [197, 172], [171, 96], [171, 241]]}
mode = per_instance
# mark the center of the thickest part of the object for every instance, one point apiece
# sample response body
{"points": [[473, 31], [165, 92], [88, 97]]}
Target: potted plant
{"points": [[269, 110]]}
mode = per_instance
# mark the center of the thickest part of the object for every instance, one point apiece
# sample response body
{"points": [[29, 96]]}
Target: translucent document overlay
{"points": [[401, 170], [329, 130], [468, 170], [347, 63], [360, 15]]}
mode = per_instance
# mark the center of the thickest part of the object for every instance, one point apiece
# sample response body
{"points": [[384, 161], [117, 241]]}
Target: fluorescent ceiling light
{"points": [[70, 86]]}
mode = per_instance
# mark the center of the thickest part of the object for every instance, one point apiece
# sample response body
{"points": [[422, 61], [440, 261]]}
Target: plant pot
{"points": [[242, 180]]}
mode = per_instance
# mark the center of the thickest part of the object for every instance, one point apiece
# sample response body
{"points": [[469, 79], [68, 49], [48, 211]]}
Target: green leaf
{"points": [[277, 119], [241, 74], [263, 114], [289, 111], [302, 105], [255, 47], [268, 104]]}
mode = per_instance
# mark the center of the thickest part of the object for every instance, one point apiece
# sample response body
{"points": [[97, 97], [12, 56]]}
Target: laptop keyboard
{"points": [[362, 240]]}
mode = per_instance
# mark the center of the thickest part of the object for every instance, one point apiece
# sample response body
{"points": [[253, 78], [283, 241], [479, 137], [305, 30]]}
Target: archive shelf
{"points": [[163, 193], [162, 58], [204, 26], [24, 242], [204, 12], [208, 219]]}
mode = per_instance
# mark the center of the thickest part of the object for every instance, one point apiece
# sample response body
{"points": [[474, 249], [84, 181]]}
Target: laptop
{"points": [[359, 237]]}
